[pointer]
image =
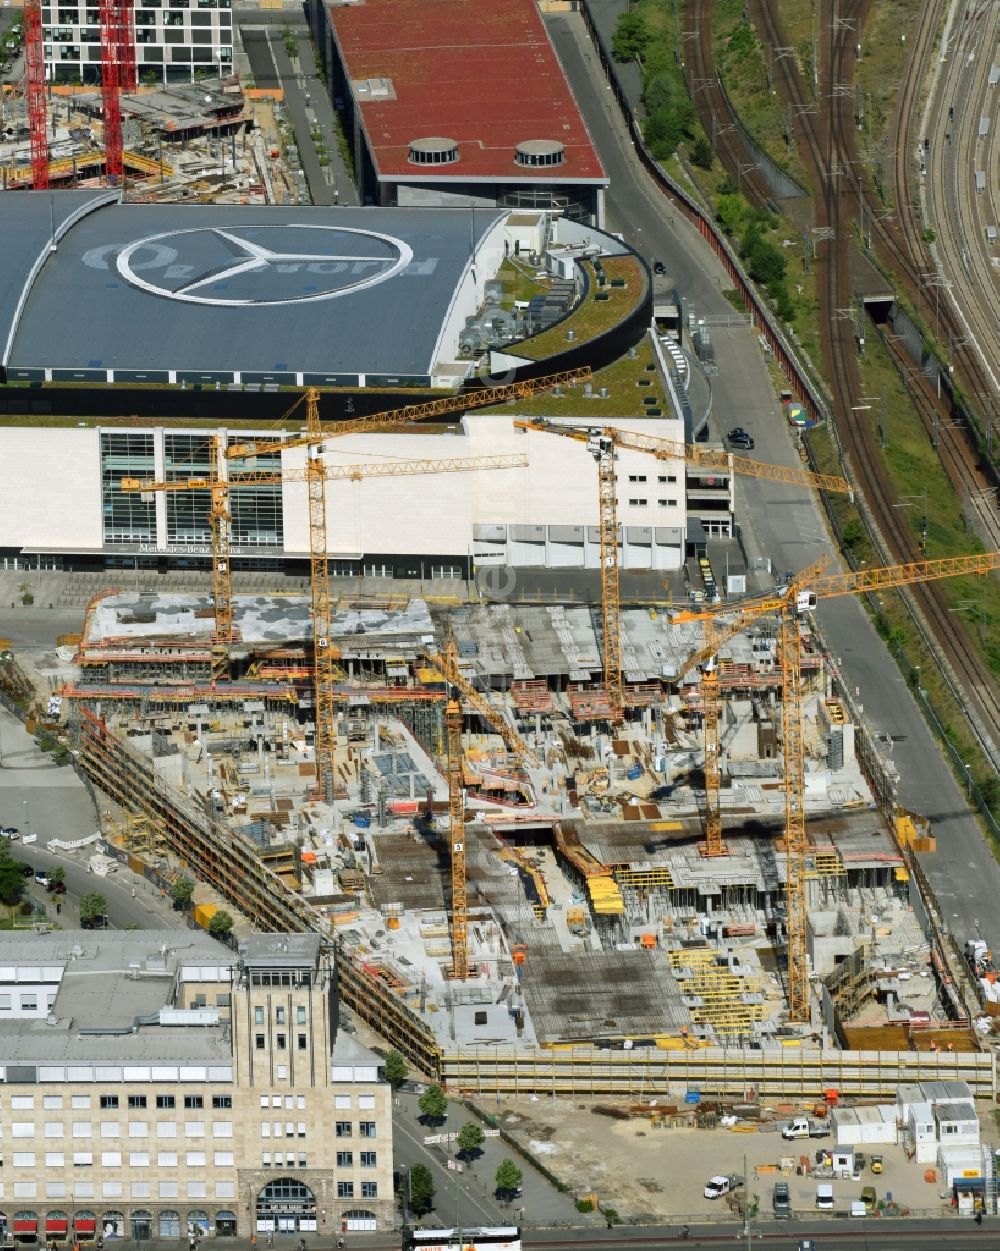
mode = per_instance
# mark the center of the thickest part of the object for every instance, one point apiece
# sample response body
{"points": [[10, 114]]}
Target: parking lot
{"points": [[644, 1171]]}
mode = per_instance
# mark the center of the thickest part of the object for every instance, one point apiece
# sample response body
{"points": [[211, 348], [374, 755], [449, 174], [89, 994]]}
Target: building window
{"points": [[369, 1190], [166, 1129], [108, 1101], [138, 1129], [265, 1160], [345, 1190], [667, 503], [83, 1159], [52, 1103], [166, 1159], [366, 1103], [638, 503], [368, 1159], [111, 1159], [300, 1015], [222, 1129], [223, 1159], [23, 1159], [53, 1129], [265, 1129], [258, 1016], [81, 1129], [222, 1101], [166, 1101], [342, 1101], [366, 1129], [281, 1041], [637, 477], [137, 1101], [195, 1159], [194, 1129], [259, 1042], [302, 1042], [81, 1101], [127, 518], [55, 1159], [138, 1159], [666, 477], [279, 1015], [345, 1159], [194, 1101], [301, 1129], [344, 1129]]}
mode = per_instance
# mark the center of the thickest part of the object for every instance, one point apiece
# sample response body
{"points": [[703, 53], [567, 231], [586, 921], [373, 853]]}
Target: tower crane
{"points": [[603, 444], [456, 834], [790, 603], [34, 93]]}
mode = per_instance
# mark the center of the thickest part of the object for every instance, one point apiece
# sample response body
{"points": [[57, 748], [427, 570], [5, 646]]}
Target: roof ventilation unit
{"points": [[433, 151], [534, 153]]}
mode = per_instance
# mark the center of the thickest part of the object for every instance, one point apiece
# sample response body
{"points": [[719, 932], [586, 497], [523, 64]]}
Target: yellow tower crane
{"points": [[603, 444], [790, 603], [456, 834]]}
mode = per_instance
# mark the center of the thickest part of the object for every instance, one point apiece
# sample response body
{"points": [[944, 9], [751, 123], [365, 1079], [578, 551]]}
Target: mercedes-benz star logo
{"points": [[240, 267]]}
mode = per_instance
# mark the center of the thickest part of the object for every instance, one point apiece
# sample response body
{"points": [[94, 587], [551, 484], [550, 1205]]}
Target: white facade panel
{"points": [[51, 488]]}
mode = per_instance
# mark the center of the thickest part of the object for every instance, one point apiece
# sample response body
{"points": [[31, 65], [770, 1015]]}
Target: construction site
{"points": [[556, 848]]}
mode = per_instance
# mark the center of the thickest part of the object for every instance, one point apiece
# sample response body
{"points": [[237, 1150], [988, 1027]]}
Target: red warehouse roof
{"points": [[482, 73]]}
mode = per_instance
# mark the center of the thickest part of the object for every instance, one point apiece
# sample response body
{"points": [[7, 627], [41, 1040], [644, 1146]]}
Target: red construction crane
{"points": [[34, 91], [111, 104], [128, 75]]}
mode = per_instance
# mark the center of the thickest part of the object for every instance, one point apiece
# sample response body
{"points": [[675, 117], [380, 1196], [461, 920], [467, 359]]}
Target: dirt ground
{"points": [[642, 1171]]}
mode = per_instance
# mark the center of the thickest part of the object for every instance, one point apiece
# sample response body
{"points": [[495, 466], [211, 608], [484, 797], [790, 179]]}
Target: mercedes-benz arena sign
{"points": [[261, 266]]}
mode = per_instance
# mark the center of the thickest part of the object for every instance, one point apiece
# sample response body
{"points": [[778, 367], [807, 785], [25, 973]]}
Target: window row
{"points": [[280, 1015], [113, 1129], [663, 503], [366, 1129], [26, 1103], [279, 1159], [281, 1042], [117, 1190], [662, 478], [368, 1159], [116, 1159], [286, 1101], [346, 1190], [288, 1129]]}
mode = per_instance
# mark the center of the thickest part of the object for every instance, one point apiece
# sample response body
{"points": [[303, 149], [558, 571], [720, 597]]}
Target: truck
{"points": [[722, 1184], [805, 1127], [979, 956], [102, 865]]}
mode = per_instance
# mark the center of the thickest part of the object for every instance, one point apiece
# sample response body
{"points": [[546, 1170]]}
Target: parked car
{"points": [[868, 1198], [877, 1165], [11, 832], [737, 432], [742, 441], [721, 1185], [781, 1201], [659, 267], [56, 888], [27, 870], [42, 877]]}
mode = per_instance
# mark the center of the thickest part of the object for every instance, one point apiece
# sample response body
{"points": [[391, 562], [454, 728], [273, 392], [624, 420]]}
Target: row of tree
{"points": [[418, 1195]]}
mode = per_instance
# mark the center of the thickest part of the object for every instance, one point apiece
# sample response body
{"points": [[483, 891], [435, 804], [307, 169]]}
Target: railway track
{"points": [[826, 142]]}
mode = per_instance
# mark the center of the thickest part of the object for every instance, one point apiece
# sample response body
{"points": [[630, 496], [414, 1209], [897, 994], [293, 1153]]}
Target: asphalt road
{"points": [[784, 524]]}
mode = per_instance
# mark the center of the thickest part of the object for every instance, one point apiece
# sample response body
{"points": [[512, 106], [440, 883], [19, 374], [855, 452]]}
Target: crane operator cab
{"points": [[805, 601]]}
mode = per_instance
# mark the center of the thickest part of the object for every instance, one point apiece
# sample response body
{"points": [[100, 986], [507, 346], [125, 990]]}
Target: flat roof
{"points": [[483, 75], [231, 289]]}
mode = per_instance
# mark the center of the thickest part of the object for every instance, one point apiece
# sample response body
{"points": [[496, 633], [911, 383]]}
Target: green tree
{"points": [[92, 906], [729, 212], [433, 1103], [6, 847], [57, 876], [11, 882], [508, 1180], [420, 1194], [221, 924], [702, 154], [631, 37], [470, 1139], [396, 1069], [181, 894]]}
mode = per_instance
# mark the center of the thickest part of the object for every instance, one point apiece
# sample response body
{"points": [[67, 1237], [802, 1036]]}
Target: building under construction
{"points": [[592, 915]]}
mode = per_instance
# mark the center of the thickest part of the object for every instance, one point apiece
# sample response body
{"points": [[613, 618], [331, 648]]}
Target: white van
{"points": [[824, 1197]]}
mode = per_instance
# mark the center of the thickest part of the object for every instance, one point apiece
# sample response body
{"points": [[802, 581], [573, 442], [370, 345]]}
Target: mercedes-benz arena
{"points": [[94, 290]]}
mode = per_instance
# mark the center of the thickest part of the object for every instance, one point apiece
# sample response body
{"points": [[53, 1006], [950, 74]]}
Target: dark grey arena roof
{"points": [[174, 293]]}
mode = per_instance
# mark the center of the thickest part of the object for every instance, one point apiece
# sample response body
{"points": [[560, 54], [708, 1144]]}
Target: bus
{"points": [[476, 1238]]}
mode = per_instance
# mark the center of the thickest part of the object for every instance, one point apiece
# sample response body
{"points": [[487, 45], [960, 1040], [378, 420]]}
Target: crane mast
{"points": [[456, 833]]}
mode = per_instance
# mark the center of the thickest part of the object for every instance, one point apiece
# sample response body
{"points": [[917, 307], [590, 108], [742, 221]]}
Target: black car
{"points": [[737, 432], [743, 441], [27, 870], [659, 267]]}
